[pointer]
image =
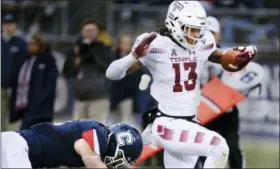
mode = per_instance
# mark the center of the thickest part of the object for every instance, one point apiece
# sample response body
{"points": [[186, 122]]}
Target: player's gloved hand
{"points": [[247, 54], [142, 48]]}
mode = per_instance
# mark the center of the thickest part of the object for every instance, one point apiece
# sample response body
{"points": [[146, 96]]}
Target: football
{"points": [[228, 60]]}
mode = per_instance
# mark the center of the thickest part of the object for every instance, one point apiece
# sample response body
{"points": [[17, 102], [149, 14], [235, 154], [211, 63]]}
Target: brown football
{"points": [[228, 60]]}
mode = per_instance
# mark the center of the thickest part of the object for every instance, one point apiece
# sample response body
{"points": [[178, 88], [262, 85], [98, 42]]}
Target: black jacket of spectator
{"points": [[95, 58], [41, 93], [10, 49]]}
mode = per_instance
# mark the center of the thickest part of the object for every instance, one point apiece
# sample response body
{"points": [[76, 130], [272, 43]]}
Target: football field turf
{"points": [[261, 153]]}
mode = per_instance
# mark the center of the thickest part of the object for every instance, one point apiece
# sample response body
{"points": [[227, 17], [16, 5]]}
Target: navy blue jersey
{"points": [[52, 145]]}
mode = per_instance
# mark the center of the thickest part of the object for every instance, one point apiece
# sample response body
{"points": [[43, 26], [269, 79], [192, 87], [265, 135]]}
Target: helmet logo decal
{"points": [[124, 138], [177, 6]]}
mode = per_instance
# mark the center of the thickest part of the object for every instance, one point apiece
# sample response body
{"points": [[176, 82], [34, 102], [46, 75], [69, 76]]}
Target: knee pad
{"points": [[218, 156], [222, 149], [147, 136]]}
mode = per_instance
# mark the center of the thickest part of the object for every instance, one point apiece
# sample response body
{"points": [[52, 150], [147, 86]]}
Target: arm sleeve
{"points": [[117, 69]]}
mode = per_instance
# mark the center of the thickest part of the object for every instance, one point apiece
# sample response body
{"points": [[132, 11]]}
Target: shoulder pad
{"points": [[208, 43]]}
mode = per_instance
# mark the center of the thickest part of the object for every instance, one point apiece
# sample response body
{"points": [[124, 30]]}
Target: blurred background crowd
{"points": [[54, 55]]}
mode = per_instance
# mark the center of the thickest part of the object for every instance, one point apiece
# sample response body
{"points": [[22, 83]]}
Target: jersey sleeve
{"points": [[136, 43], [91, 137], [96, 135]]}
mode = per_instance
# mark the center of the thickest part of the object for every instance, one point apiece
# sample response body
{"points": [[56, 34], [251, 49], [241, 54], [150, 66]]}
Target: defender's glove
{"points": [[142, 48]]}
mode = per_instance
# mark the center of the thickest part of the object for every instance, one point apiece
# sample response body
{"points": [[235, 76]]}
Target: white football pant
{"points": [[184, 141], [14, 151]]}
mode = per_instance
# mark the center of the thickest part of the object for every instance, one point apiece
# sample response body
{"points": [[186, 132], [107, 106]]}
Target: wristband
{"points": [[86, 157]]}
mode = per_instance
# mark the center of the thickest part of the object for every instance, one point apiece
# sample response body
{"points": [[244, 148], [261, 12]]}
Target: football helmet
{"points": [[125, 146], [184, 16], [213, 24]]}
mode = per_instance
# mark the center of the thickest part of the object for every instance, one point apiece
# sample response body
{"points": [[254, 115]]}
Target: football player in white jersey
{"points": [[248, 82], [175, 56]]}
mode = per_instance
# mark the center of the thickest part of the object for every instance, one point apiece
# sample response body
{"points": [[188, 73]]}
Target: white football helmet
{"points": [[183, 15]]}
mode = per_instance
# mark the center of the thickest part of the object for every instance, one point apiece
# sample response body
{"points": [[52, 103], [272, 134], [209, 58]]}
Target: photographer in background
{"points": [[85, 66]]}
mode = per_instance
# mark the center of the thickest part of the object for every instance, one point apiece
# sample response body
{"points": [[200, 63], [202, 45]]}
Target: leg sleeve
{"points": [[179, 136], [178, 160]]}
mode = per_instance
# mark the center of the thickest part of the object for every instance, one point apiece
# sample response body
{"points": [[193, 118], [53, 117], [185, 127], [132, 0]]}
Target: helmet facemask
{"points": [[192, 34], [116, 159]]}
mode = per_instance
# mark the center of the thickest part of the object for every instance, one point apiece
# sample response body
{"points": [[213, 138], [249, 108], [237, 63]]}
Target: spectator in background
{"points": [[12, 46], [33, 85], [124, 89], [85, 66], [104, 36], [233, 23]]}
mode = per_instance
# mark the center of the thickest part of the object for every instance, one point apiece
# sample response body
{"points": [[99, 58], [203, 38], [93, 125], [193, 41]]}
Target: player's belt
{"points": [[149, 116], [188, 118]]}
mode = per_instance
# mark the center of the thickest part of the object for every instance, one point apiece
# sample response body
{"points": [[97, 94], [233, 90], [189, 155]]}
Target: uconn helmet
{"points": [[125, 146]]}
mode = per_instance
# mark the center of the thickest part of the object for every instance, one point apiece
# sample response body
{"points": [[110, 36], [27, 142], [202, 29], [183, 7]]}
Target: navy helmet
{"points": [[125, 146]]}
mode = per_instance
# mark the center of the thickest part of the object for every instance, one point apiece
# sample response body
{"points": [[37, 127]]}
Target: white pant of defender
{"points": [[184, 141], [14, 151]]}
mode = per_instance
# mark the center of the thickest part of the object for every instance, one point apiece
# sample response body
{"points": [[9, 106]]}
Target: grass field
{"points": [[259, 152]]}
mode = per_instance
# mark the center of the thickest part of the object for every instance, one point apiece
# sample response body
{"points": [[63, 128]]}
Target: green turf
{"points": [[261, 153]]}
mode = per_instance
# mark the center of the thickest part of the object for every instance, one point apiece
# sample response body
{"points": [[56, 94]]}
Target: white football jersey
{"points": [[247, 81], [176, 72]]}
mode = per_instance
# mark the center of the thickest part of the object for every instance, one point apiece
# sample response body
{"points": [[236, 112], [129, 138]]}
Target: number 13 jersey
{"points": [[176, 72]]}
